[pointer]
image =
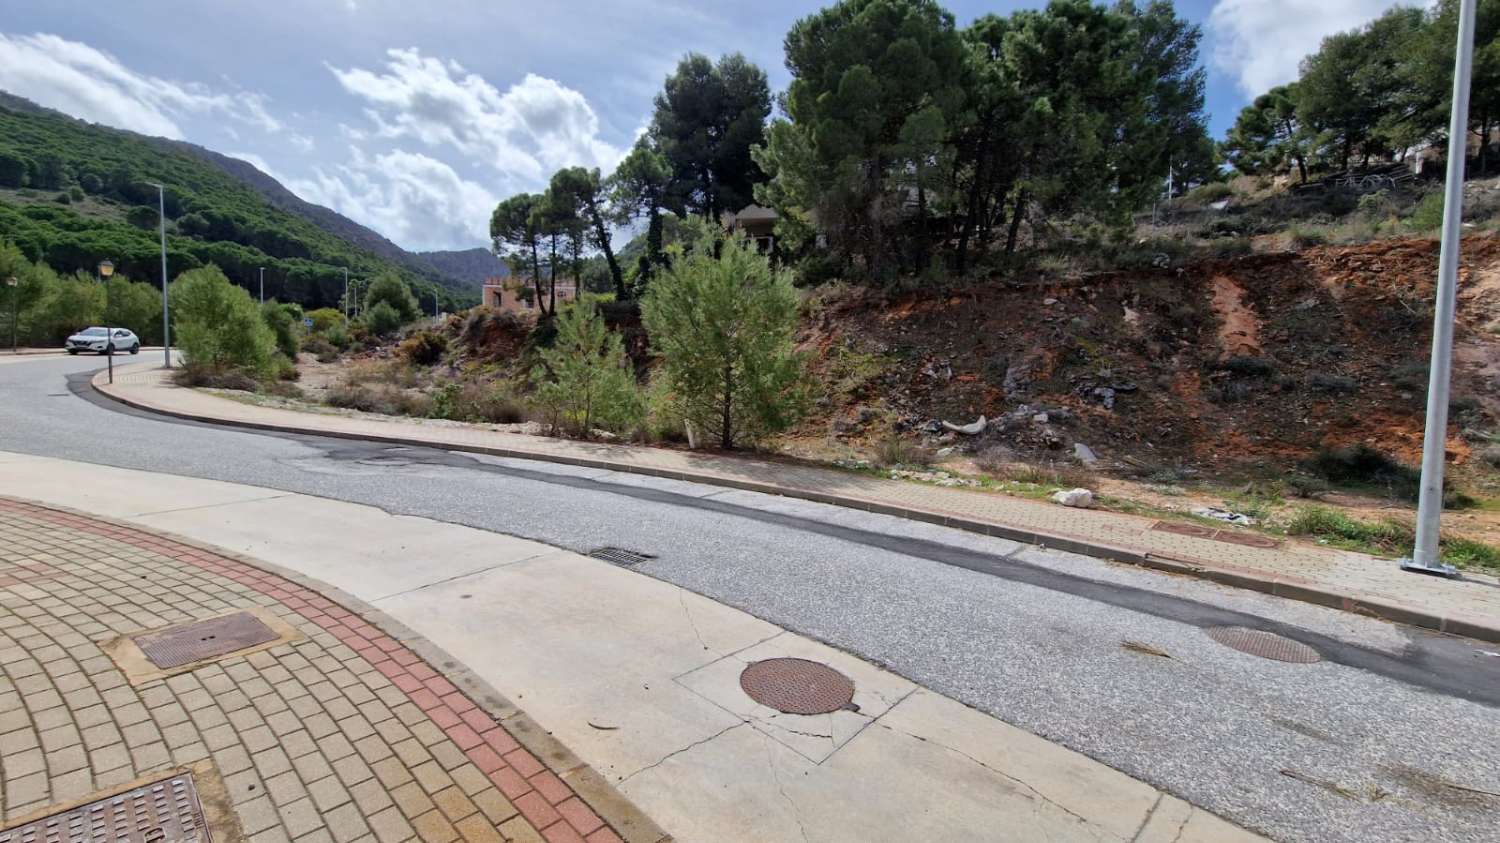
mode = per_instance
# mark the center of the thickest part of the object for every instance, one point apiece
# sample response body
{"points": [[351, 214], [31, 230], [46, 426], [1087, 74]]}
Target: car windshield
{"points": [[92, 332]]}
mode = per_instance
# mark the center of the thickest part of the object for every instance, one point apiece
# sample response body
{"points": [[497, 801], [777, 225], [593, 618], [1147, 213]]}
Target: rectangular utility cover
{"points": [[165, 811], [204, 639]]}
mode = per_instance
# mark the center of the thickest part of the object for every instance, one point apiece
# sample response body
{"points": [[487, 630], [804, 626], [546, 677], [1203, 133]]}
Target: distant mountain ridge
{"points": [[275, 194], [472, 265]]}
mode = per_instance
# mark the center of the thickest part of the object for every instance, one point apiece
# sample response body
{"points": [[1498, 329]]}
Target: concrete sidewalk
{"points": [[1295, 570], [640, 679]]}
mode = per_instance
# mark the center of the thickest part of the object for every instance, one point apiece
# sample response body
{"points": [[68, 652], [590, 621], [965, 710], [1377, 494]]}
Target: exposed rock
{"points": [[1040, 418], [1084, 453], [1080, 498], [972, 429], [943, 453]]}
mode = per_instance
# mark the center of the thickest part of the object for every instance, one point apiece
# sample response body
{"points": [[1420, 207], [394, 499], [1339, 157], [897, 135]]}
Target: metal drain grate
{"points": [[165, 811], [204, 639], [1267, 645], [621, 556], [797, 686]]}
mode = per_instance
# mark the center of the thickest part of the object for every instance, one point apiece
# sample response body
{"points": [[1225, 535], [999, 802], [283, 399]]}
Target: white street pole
{"points": [[346, 294], [161, 223], [1426, 556], [262, 285]]}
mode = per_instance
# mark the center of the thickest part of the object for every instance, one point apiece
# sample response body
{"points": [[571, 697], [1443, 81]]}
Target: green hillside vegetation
{"points": [[73, 194]]}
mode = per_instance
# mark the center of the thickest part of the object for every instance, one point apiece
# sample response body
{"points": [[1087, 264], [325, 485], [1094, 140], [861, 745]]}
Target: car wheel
{"points": [[135, 349], [73, 351], [108, 349]]}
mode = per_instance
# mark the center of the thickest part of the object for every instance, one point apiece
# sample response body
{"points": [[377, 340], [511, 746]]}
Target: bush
{"points": [[724, 329], [319, 347], [201, 375], [217, 324], [1428, 214], [1362, 465], [339, 338], [389, 289], [383, 320], [424, 348], [896, 450], [1256, 367], [1299, 237], [584, 380], [325, 319], [1327, 382], [1211, 192], [282, 320]]}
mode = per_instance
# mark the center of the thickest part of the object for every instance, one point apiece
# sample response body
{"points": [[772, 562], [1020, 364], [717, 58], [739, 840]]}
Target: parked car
{"points": [[100, 340]]}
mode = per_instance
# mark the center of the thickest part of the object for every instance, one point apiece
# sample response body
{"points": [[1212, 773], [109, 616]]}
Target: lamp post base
{"points": [[1437, 569]]}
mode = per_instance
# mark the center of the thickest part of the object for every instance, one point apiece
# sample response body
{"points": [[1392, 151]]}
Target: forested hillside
{"points": [[73, 194], [471, 266]]}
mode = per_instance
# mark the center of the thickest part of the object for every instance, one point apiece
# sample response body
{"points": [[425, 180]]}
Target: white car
{"points": [[102, 339]]}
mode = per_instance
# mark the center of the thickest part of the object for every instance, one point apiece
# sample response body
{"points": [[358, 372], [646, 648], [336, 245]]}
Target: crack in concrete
{"points": [[682, 601], [1178, 836], [465, 575], [1039, 795], [660, 761], [776, 777], [1145, 821], [209, 505]]}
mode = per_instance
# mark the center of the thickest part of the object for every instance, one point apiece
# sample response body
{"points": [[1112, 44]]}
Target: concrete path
{"points": [[639, 678], [1295, 570]]}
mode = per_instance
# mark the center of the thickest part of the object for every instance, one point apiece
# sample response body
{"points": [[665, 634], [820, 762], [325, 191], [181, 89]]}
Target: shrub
{"points": [[723, 326], [1211, 192], [1257, 367], [1051, 475], [424, 348], [217, 324], [389, 289], [383, 320], [584, 380], [1327, 382], [319, 347], [896, 450], [339, 338], [283, 369], [493, 403], [1299, 237], [1362, 465], [325, 319], [282, 320], [201, 375], [352, 396], [1491, 456], [1428, 214]]}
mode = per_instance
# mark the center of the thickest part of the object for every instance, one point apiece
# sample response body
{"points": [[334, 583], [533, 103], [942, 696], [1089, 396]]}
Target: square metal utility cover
{"points": [[204, 639], [163, 811]]}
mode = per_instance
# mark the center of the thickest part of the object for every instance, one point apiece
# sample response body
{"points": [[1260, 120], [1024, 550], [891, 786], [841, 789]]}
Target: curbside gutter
{"points": [[1286, 587]]}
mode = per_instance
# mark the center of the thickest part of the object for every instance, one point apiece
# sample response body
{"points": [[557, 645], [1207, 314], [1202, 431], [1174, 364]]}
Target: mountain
{"points": [[74, 193], [474, 266]]}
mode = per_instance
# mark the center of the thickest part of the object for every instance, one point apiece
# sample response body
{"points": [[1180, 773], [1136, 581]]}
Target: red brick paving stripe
{"points": [[484, 741]]}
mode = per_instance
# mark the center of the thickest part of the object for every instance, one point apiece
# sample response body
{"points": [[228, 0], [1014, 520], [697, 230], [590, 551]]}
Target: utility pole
{"points": [[15, 301], [161, 225], [262, 285], [1426, 556], [346, 294]]}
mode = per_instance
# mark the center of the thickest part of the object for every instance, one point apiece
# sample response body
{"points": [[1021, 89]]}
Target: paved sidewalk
{"points": [[343, 729], [1300, 571], [639, 678]]}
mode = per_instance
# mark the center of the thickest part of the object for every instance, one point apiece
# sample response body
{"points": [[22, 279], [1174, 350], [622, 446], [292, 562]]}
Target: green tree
{"points": [[217, 324], [586, 192], [585, 380], [283, 320], [638, 188], [135, 305], [723, 327], [1429, 72], [382, 319], [707, 118], [515, 231], [388, 287], [867, 77], [1269, 134]]}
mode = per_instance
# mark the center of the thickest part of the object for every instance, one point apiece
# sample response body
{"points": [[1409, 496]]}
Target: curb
{"points": [[618, 812], [1286, 587]]}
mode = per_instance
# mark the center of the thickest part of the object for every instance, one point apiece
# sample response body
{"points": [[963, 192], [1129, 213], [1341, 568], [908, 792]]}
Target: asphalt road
{"points": [[1393, 736]]}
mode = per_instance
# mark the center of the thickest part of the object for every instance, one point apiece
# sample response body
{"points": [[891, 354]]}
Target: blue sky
{"points": [[415, 118]]}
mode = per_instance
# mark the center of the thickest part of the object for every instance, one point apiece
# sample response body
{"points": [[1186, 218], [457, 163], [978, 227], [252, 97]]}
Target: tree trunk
{"points": [[922, 234], [1015, 223], [602, 235], [536, 276], [552, 270]]}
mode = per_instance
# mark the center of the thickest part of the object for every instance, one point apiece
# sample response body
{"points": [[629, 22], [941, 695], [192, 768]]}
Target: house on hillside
{"points": [[758, 224], [516, 294]]}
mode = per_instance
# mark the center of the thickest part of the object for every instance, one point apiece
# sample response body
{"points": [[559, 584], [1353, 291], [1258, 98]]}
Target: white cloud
{"points": [[536, 126], [73, 77], [415, 200], [1261, 42]]}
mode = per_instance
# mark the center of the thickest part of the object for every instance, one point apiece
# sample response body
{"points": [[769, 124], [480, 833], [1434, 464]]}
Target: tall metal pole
{"points": [[15, 303], [161, 220], [262, 285], [346, 294], [1426, 556]]}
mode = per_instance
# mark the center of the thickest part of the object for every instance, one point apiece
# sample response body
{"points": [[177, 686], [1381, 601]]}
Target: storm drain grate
{"points": [[164, 811], [204, 639], [1267, 645], [621, 556], [797, 686]]}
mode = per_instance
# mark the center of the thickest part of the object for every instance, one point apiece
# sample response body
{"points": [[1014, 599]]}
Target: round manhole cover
{"points": [[797, 686], [1267, 645]]}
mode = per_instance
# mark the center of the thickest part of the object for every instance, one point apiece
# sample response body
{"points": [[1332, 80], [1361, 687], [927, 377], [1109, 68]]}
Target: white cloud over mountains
{"points": [[1260, 43], [80, 80], [526, 132]]}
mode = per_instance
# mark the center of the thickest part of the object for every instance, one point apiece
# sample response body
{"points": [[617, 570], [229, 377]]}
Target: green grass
{"points": [[1387, 537]]}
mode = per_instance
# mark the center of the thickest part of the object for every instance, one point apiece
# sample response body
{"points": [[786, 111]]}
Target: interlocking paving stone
{"points": [[343, 734]]}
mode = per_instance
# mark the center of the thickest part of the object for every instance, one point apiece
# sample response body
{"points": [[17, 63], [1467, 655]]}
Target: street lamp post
{"points": [[262, 285], [106, 269], [161, 226], [15, 295], [346, 294], [1426, 556]]}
